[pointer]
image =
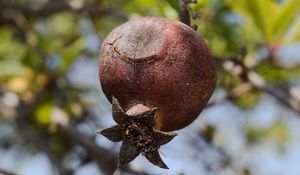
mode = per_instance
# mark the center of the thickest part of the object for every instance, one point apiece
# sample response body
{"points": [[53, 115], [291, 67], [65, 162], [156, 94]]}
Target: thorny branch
{"points": [[185, 11]]}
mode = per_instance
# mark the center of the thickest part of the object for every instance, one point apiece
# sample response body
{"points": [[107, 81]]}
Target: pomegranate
{"points": [[159, 75]]}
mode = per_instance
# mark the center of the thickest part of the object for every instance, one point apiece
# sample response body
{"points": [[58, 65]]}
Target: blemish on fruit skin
{"points": [[160, 64]]}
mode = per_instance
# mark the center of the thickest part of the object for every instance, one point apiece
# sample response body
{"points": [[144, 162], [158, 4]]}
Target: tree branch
{"points": [[11, 14], [5, 172], [283, 95], [31, 135], [185, 12], [104, 157]]}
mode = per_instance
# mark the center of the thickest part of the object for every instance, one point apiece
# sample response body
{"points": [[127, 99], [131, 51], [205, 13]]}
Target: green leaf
{"points": [[278, 132], [261, 13], [174, 4], [272, 74], [286, 17], [10, 48], [10, 67], [294, 34], [43, 113], [71, 52], [62, 24], [169, 12], [248, 100], [272, 19]]}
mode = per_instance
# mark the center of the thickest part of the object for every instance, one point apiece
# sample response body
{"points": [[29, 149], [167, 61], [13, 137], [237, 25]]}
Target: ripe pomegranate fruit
{"points": [[159, 75]]}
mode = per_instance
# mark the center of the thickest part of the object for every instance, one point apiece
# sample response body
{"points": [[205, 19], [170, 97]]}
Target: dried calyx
{"points": [[135, 129]]}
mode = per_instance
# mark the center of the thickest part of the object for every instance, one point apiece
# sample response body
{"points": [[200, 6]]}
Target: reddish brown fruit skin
{"points": [[160, 63]]}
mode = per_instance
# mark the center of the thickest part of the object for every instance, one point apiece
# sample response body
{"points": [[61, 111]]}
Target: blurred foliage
{"points": [[273, 19], [276, 75], [277, 132], [248, 100], [207, 133], [42, 40]]}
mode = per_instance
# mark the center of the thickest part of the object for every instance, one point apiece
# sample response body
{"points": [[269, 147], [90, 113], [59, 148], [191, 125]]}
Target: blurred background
{"points": [[51, 102]]}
